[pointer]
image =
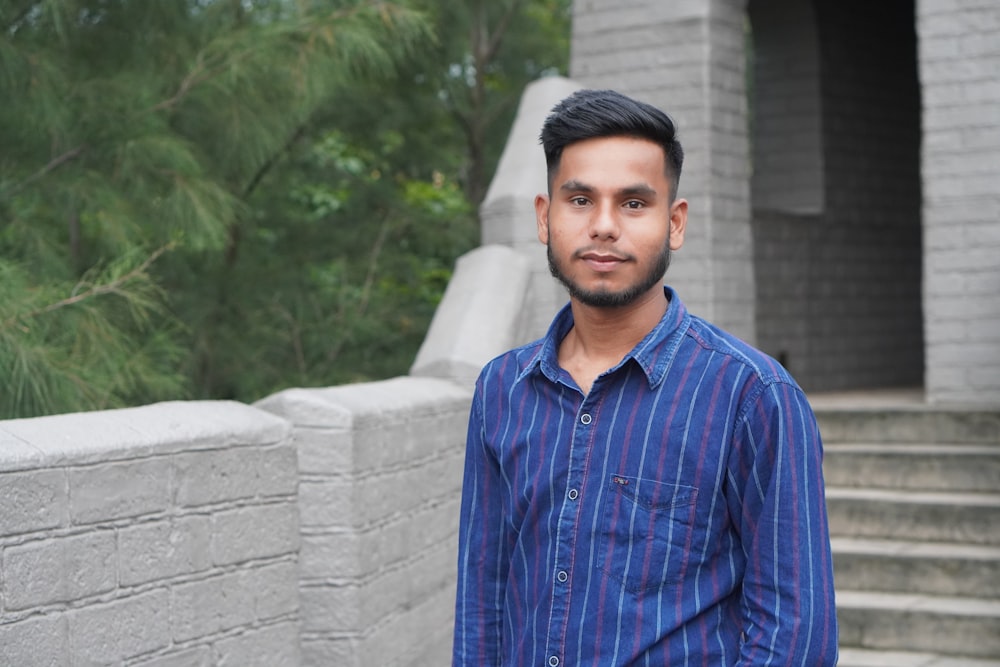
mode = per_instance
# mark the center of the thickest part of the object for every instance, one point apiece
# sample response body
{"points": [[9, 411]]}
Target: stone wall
{"points": [[215, 533], [154, 536], [380, 468], [959, 51]]}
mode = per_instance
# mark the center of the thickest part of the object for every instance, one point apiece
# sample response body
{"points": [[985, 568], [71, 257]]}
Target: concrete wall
{"points": [[959, 47], [162, 535], [380, 469]]}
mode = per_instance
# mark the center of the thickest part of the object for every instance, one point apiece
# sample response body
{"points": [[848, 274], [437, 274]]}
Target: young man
{"points": [[641, 488]]}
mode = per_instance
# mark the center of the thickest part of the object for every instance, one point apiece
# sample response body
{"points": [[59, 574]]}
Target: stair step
{"points": [[909, 622], [923, 467], [853, 657], [909, 423], [969, 518], [929, 568]]}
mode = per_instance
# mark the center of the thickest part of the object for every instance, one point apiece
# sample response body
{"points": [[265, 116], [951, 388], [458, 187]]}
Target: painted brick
{"points": [[33, 500], [111, 632], [277, 472], [333, 556], [60, 569], [342, 652], [324, 450], [326, 502], [163, 549], [206, 607], [118, 490], [199, 656], [270, 646], [276, 589], [332, 608], [216, 476], [38, 641], [254, 532]]}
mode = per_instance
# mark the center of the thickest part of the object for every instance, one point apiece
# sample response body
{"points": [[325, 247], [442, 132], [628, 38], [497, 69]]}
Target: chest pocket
{"points": [[646, 531]]}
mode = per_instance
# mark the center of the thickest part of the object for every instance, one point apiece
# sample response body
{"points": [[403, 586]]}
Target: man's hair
{"points": [[589, 114]]}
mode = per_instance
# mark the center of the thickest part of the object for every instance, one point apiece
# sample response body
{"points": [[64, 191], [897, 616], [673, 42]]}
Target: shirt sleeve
{"points": [[482, 554], [788, 610]]}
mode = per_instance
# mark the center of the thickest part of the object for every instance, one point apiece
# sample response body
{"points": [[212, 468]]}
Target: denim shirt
{"points": [[673, 515]]}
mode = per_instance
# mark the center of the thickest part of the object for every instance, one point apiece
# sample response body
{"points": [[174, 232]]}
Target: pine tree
{"points": [[132, 135]]}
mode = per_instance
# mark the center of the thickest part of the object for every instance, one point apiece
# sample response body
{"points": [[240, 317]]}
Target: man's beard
{"points": [[605, 298]]}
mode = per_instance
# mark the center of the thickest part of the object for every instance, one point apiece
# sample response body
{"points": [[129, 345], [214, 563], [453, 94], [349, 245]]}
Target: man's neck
{"points": [[601, 337]]}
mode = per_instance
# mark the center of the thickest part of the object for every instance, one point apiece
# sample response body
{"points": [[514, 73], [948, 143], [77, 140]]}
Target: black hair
{"points": [[589, 114]]}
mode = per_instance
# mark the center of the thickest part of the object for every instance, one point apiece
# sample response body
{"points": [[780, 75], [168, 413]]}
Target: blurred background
{"points": [[218, 199]]}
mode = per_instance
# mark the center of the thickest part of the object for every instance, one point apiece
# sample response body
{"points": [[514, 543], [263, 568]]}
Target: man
{"points": [[641, 488]]}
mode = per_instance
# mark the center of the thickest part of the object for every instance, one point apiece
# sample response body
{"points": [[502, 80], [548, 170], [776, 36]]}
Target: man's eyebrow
{"points": [[640, 189], [575, 186], [637, 190]]}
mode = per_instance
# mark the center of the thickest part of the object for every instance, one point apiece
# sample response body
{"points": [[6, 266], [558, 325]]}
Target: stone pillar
{"points": [[959, 61], [688, 58]]}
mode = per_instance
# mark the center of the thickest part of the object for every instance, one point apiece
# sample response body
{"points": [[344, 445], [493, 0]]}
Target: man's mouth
{"points": [[602, 262]]}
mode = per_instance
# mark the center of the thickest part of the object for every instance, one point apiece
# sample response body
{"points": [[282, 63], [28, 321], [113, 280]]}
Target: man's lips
{"points": [[602, 262]]}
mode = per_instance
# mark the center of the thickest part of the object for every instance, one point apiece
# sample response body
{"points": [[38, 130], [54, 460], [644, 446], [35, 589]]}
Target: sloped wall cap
{"points": [[507, 212], [478, 317]]}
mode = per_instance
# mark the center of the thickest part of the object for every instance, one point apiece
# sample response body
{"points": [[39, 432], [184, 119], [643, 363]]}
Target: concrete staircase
{"points": [[913, 494]]}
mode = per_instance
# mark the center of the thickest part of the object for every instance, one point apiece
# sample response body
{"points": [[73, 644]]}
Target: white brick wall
{"points": [[959, 44], [380, 466], [162, 535]]}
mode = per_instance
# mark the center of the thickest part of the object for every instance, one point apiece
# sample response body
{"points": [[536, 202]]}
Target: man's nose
{"points": [[604, 222]]}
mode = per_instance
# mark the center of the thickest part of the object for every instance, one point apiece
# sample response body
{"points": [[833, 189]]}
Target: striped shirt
{"points": [[673, 515]]}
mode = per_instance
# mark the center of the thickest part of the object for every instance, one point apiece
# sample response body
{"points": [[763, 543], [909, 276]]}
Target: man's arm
{"points": [[789, 615], [482, 553]]}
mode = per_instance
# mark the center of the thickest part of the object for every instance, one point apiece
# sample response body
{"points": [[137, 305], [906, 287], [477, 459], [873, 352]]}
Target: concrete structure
{"points": [[157, 536], [215, 533], [844, 214]]}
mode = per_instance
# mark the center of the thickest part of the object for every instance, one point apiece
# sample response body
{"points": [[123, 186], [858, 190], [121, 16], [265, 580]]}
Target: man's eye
{"points": [[632, 203], [578, 201]]}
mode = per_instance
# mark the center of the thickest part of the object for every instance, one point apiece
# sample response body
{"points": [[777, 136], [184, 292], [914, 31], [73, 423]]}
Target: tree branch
{"points": [[52, 165], [501, 30], [113, 287]]}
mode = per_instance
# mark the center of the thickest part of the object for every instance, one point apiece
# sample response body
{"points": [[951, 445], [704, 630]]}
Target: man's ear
{"points": [[542, 217], [678, 223]]}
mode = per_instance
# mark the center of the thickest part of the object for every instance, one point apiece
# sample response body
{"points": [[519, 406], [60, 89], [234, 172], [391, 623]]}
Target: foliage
{"points": [[220, 198]]}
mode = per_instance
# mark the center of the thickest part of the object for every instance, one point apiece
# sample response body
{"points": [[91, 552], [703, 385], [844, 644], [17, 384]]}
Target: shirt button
{"points": [[562, 576], [585, 418], [573, 493], [553, 661]]}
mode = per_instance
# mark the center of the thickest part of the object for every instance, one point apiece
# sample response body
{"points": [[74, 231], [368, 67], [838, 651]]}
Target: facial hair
{"points": [[605, 298]]}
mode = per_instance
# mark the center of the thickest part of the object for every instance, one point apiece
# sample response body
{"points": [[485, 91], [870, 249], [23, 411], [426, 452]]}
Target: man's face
{"points": [[609, 223]]}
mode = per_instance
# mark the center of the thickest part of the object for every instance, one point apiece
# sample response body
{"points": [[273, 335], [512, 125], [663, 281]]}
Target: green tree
{"points": [[219, 199], [133, 128]]}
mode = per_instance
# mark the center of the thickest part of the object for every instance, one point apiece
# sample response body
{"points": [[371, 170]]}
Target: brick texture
{"points": [[379, 501], [164, 552], [959, 59]]}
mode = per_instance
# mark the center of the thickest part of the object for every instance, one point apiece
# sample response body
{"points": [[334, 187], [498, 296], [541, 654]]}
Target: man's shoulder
{"points": [[513, 362], [765, 368]]}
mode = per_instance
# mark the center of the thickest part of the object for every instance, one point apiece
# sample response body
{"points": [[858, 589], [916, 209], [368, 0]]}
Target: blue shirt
{"points": [[673, 515]]}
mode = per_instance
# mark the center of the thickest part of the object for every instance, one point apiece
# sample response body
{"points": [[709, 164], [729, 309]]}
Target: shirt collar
{"points": [[653, 353]]}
